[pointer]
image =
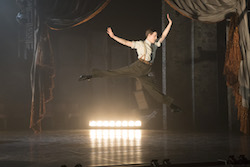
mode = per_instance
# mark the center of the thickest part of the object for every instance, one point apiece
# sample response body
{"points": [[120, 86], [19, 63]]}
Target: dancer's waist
{"points": [[145, 62]]}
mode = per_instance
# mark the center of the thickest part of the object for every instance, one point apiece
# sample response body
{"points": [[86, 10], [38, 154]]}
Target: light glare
{"points": [[115, 123]]}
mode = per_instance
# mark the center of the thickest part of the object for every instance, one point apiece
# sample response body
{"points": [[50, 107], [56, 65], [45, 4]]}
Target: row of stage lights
{"points": [[115, 124]]}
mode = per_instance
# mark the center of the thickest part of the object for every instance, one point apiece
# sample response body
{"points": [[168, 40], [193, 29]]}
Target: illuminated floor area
{"points": [[116, 147]]}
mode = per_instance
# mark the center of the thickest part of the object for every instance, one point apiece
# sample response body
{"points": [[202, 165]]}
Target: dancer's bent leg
{"points": [[150, 86]]}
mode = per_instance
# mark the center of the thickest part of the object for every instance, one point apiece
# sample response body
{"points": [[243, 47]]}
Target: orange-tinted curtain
{"points": [[237, 64], [62, 14]]}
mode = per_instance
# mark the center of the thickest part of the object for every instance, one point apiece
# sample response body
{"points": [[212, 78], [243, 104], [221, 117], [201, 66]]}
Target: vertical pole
{"points": [[164, 89], [193, 79], [229, 93], [230, 102], [19, 41]]}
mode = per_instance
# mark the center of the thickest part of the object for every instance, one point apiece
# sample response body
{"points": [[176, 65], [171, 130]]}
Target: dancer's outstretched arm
{"points": [[167, 29], [118, 39]]}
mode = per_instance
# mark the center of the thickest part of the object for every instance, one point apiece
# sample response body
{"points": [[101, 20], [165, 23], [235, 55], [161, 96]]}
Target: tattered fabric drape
{"points": [[56, 15], [65, 14], [215, 11], [42, 78]]}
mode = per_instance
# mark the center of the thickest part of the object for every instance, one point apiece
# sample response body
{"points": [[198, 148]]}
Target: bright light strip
{"points": [[115, 123]]}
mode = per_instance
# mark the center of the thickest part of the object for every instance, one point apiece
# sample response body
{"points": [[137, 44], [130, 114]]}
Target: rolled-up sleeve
{"points": [[158, 44], [135, 44]]}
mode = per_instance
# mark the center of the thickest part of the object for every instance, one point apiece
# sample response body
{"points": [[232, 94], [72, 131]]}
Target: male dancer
{"points": [[141, 68]]}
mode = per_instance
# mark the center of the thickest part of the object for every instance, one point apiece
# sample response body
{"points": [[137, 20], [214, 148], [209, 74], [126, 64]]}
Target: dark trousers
{"points": [[140, 71]]}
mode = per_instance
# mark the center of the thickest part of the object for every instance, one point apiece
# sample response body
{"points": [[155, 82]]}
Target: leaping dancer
{"points": [[141, 68]]}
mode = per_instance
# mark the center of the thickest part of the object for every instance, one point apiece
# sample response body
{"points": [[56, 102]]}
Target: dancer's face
{"points": [[152, 37]]}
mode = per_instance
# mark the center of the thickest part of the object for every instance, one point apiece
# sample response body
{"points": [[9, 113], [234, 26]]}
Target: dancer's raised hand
{"points": [[110, 32], [118, 39], [169, 20], [167, 29]]}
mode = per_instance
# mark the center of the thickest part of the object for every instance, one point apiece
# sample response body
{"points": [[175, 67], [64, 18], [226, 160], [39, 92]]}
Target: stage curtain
{"points": [[237, 64], [55, 15], [42, 78], [64, 14]]}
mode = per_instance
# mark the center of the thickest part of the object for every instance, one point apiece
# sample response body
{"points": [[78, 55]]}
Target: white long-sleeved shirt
{"points": [[144, 53]]}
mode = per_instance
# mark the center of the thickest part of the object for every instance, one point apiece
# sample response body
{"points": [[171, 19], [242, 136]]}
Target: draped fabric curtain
{"points": [[237, 64], [65, 14], [55, 15], [42, 77]]}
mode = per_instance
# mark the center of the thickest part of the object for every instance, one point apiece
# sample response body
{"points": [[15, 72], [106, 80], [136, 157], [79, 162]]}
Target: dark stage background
{"points": [[87, 46]]}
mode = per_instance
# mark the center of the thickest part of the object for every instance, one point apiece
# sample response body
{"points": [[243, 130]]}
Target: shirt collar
{"points": [[146, 41]]}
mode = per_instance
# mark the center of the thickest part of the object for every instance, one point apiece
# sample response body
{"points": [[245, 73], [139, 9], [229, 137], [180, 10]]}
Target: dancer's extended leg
{"points": [[136, 69]]}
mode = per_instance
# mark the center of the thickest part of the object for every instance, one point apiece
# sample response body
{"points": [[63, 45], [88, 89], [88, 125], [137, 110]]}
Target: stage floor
{"points": [[116, 147]]}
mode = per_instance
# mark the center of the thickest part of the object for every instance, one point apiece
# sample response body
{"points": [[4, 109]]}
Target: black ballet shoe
{"points": [[175, 108], [84, 77]]}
